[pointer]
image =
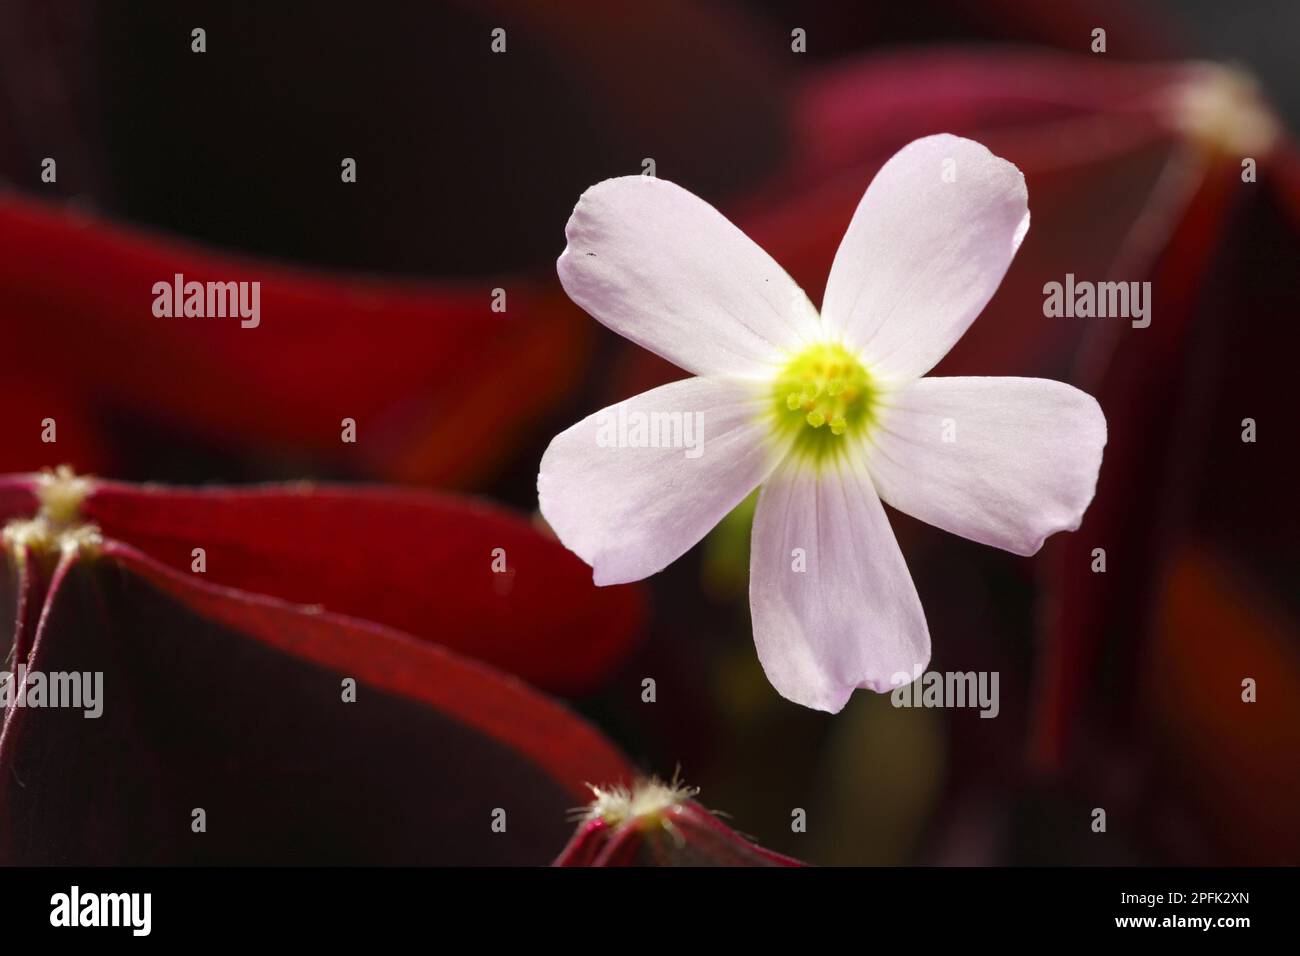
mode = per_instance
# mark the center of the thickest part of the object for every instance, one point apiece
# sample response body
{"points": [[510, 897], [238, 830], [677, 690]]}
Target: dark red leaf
{"points": [[438, 384], [37, 409], [233, 703], [419, 562]]}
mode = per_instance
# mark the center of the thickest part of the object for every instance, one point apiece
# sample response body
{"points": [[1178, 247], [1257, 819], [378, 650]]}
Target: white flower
{"points": [[828, 413]]}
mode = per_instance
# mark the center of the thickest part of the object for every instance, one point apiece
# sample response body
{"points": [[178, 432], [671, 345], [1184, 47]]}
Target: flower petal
{"points": [[852, 618], [630, 511], [1002, 461], [926, 250], [662, 267]]}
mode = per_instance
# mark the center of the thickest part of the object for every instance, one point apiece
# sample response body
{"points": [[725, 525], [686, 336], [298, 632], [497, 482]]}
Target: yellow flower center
{"points": [[822, 398]]}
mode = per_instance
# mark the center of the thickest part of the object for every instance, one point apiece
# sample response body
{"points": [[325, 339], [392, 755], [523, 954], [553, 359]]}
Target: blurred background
{"points": [[1120, 690]]}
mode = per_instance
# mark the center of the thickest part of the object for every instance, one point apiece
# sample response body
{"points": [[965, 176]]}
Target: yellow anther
{"points": [[824, 384]]}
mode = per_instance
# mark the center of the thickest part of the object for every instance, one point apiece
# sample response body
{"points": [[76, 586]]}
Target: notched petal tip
{"points": [[628, 504], [601, 573], [1023, 465], [1016, 187], [665, 269], [1095, 433], [927, 248], [605, 579], [591, 196], [831, 702]]}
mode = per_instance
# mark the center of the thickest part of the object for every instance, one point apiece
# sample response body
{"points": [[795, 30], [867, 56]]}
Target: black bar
{"points": [[586, 906]]}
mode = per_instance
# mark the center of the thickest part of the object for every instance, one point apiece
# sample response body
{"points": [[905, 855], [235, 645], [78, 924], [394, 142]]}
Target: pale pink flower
{"points": [[828, 413]]}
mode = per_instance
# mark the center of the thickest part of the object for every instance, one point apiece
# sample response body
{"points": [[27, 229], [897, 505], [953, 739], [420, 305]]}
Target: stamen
{"points": [[824, 385]]}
